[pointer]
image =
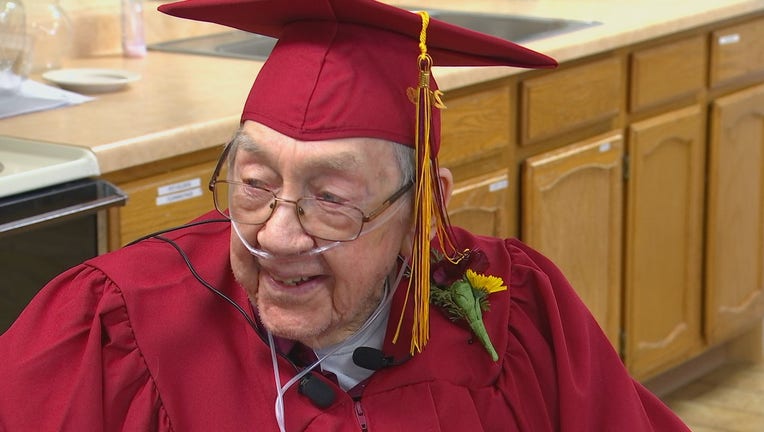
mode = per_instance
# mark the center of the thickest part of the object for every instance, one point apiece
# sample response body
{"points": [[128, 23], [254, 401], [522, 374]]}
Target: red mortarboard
{"points": [[349, 68], [341, 67]]}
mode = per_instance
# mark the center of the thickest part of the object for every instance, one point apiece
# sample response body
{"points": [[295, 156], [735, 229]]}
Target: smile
{"points": [[293, 285], [293, 282]]}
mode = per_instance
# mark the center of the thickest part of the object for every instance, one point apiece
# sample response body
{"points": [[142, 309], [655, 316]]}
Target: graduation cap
{"points": [[361, 68]]}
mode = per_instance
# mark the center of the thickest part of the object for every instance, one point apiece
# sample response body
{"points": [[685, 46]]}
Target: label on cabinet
{"points": [[729, 39], [179, 191], [179, 186], [498, 185]]}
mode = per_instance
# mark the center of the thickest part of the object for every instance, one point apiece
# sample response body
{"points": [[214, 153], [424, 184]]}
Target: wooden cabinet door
{"points": [[735, 226], [663, 253], [572, 213], [480, 204]]}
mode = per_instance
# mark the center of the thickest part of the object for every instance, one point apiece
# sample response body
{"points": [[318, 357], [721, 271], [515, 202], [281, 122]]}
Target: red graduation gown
{"points": [[132, 341]]}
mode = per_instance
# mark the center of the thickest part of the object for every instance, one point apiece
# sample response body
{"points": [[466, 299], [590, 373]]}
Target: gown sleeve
{"points": [[559, 358], [70, 362]]}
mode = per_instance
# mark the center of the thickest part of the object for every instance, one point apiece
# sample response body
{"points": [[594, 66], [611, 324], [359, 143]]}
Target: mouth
{"points": [[293, 281], [292, 285], [292, 278]]}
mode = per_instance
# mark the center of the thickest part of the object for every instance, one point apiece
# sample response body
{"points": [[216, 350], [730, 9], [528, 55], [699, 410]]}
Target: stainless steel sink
{"points": [[235, 43], [516, 28]]}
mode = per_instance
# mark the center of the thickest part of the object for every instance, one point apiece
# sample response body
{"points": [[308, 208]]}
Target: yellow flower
{"points": [[489, 284]]}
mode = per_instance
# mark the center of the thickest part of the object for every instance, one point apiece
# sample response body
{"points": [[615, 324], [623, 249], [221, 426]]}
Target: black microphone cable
{"points": [[319, 393], [158, 235]]}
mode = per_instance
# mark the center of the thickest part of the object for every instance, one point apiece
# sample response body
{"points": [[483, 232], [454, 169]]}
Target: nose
{"points": [[276, 203], [282, 233]]}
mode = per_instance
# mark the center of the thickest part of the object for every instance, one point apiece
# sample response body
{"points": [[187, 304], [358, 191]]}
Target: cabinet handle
{"points": [[107, 195]]}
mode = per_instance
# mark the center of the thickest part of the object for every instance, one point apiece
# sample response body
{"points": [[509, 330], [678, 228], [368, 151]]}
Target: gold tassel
{"points": [[428, 202]]}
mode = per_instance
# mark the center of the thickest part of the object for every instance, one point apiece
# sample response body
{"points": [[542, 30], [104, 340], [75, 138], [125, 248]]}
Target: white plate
{"points": [[91, 80]]}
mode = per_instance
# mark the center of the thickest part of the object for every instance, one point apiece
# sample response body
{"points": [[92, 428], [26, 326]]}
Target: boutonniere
{"points": [[461, 289]]}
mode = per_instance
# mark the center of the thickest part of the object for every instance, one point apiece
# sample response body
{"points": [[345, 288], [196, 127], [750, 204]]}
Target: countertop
{"points": [[185, 103]]}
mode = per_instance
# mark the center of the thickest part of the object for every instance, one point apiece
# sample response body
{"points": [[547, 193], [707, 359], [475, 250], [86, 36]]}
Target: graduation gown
{"points": [[133, 341]]}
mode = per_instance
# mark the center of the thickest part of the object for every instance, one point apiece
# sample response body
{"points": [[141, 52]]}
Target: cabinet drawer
{"points": [[569, 99], [165, 200], [737, 52], [478, 126], [666, 73]]}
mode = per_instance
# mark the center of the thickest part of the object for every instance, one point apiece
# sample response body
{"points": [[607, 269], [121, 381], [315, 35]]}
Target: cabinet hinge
{"points": [[626, 167]]}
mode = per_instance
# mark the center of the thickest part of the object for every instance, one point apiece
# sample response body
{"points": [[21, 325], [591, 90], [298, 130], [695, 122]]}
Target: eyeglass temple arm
{"points": [[219, 165], [389, 201]]}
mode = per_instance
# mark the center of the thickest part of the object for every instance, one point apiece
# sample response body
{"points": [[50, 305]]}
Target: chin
{"points": [[289, 326]]}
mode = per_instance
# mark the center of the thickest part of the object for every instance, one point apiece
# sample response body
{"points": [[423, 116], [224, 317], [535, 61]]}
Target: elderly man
{"points": [[329, 291]]}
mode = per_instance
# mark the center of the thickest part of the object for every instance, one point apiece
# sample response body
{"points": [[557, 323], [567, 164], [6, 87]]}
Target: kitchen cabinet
{"points": [[161, 200], [570, 151], [678, 268], [663, 289], [664, 241], [735, 226], [572, 213]]}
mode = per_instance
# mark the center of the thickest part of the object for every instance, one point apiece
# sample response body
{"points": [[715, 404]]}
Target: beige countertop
{"points": [[185, 103], [181, 104]]}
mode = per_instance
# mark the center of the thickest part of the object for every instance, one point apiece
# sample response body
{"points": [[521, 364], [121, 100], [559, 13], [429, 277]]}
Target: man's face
{"points": [[318, 300]]}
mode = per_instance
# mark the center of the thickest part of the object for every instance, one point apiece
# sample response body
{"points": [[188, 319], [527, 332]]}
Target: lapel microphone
{"points": [[373, 359], [322, 395]]}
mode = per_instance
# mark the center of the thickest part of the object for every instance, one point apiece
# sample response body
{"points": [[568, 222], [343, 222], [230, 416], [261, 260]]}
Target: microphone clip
{"points": [[372, 358], [317, 390]]}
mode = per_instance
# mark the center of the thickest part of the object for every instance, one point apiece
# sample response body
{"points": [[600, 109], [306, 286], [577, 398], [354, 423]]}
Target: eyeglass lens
{"points": [[319, 218]]}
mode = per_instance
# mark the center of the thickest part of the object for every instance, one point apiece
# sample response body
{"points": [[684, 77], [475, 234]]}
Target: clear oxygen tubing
{"points": [[281, 390]]}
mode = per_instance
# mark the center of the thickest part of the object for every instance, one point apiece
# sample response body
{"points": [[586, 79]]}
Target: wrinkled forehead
{"points": [[352, 154]]}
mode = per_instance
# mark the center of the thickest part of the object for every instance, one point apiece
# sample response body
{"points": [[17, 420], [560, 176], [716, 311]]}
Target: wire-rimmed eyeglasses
{"points": [[319, 218]]}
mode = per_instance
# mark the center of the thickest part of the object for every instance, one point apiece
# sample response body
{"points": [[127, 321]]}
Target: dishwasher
{"points": [[48, 229]]}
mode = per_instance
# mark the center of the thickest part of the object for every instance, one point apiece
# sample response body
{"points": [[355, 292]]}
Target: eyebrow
{"points": [[245, 142], [342, 161]]}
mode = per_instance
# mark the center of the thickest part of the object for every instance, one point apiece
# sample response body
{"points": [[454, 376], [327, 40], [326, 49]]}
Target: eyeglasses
{"points": [[319, 218]]}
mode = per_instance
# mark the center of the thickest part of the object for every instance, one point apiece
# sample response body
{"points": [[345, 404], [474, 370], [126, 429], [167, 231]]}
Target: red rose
{"points": [[445, 273]]}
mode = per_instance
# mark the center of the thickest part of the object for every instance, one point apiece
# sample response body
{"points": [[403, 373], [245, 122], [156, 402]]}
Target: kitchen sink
{"points": [[516, 28], [26, 165]]}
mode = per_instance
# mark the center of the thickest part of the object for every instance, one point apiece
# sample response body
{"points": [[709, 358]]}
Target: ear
{"points": [[446, 184], [446, 180]]}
